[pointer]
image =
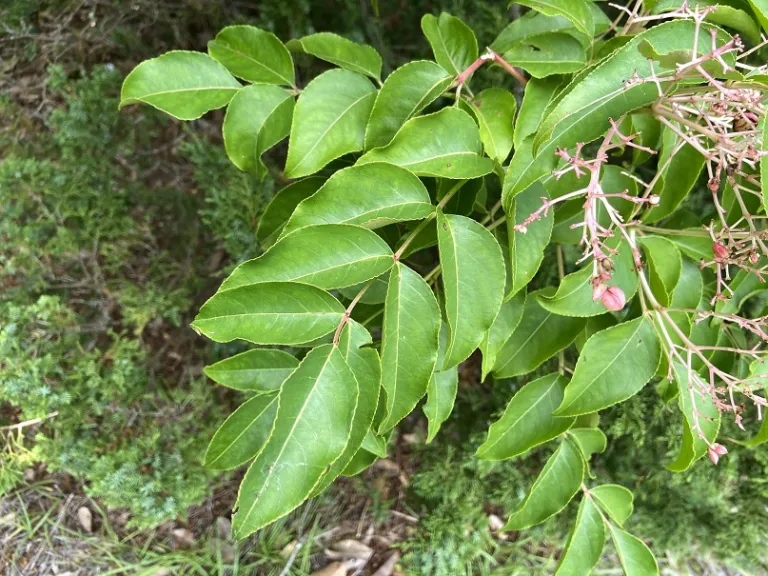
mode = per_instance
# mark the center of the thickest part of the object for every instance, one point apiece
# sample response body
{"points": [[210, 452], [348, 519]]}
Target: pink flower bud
{"points": [[598, 290], [720, 251], [754, 257], [714, 184], [714, 457], [654, 199], [614, 299], [720, 449]]}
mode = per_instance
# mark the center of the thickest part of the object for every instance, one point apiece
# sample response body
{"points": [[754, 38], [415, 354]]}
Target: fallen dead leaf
{"points": [[85, 518], [495, 523], [349, 549], [388, 567], [387, 465], [183, 538], [223, 527], [333, 569]]}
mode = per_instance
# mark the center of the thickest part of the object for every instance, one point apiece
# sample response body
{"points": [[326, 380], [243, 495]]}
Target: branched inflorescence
{"points": [[723, 121]]}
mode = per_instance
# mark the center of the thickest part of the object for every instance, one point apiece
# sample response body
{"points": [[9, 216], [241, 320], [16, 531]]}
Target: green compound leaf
{"points": [[473, 279], [503, 326], [635, 557], [589, 440], [405, 93], [371, 195], [527, 420], [557, 483], [585, 542], [327, 256], [576, 11], [533, 24], [453, 42], [329, 121], [260, 370], [574, 294], [614, 365], [243, 434], [409, 343], [701, 417], [539, 336], [444, 144], [253, 54], [258, 117], [183, 84], [548, 55], [665, 266], [366, 366], [279, 210], [526, 249], [538, 94], [680, 165], [581, 115], [315, 413], [441, 395], [280, 313], [337, 50], [615, 500], [494, 109]]}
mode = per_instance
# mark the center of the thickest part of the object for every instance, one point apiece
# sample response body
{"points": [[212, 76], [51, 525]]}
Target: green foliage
{"points": [[438, 308]]}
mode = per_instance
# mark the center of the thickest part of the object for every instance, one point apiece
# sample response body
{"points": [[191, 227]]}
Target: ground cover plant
{"points": [[659, 280]]}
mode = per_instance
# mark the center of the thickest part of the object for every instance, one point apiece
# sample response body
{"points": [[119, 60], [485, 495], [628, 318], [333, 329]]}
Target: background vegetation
{"points": [[115, 227]]}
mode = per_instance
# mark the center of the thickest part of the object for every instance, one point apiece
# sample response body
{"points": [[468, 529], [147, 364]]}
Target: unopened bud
{"points": [[598, 290], [720, 449], [654, 199], [614, 299], [605, 276], [720, 251], [714, 184], [754, 257], [714, 457]]}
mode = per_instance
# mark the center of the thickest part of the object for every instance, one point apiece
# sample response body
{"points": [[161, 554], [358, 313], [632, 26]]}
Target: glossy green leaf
{"points": [[533, 24], [615, 500], [409, 343], [494, 109], [258, 117], [582, 114], [576, 11], [441, 395], [585, 542], [243, 434], [405, 93], [574, 294], [696, 246], [503, 326], [527, 420], [329, 121], [280, 313], [327, 256], [260, 370], [680, 165], [701, 417], [337, 50], [315, 413], [539, 336], [538, 93], [279, 210], [366, 366], [557, 483], [635, 557], [375, 444], [665, 265], [758, 372], [183, 84], [760, 8], [589, 440], [543, 56], [468, 253], [253, 54], [613, 366], [453, 42], [526, 249], [444, 144], [371, 195], [724, 15], [362, 460]]}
